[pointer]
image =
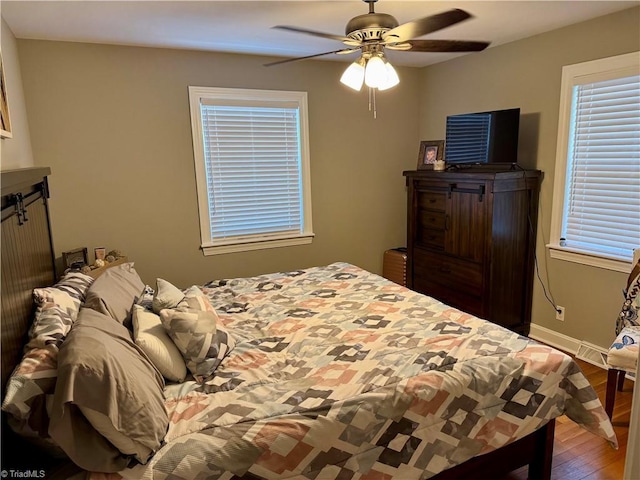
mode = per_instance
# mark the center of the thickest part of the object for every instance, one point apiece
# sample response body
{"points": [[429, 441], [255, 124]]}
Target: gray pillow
{"points": [[167, 295], [115, 291], [100, 369]]}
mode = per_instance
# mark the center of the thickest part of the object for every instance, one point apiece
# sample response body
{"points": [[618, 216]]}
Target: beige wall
{"points": [[15, 152], [113, 124], [527, 74]]}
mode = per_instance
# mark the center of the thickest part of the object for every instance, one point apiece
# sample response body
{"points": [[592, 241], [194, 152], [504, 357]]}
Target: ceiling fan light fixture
{"points": [[375, 73], [353, 76], [371, 33], [392, 78]]}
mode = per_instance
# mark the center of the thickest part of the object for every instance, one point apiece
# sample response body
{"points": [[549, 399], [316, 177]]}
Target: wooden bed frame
{"points": [[28, 262]]}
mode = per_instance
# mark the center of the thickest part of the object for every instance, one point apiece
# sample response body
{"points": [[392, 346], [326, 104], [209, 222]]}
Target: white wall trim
{"points": [[558, 340]]}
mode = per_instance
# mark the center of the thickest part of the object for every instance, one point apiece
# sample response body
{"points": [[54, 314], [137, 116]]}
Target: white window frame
{"points": [[210, 246], [597, 70]]}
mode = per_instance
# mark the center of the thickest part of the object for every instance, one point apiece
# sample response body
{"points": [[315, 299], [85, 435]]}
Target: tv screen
{"points": [[483, 137]]}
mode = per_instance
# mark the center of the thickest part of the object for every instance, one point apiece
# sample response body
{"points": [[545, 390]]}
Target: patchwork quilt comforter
{"points": [[339, 373]]}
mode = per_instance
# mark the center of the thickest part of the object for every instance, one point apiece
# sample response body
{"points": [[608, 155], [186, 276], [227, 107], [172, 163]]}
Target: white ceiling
{"points": [[245, 26]]}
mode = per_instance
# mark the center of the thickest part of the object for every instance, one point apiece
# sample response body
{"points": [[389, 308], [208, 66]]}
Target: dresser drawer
{"points": [[454, 298], [449, 272], [430, 238], [431, 201], [431, 219]]}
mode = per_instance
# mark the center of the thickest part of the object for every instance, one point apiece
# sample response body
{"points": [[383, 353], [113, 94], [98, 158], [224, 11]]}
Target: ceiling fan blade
{"points": [[445, 46], [422, 26], [315, 33], [288, 60]]}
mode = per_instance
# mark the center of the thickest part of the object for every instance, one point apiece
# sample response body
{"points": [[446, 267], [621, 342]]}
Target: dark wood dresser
{"points": [[471, 238]]}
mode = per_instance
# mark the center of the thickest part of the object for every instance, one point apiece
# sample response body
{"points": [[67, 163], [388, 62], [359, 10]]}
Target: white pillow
{"points": [[167, 295], [152, 338]]}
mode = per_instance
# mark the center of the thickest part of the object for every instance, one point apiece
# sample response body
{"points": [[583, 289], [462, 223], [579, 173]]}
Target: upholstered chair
{"points": [[623, 353]]}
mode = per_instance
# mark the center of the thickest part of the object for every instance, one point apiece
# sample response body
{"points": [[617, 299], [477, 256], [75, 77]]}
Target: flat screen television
{"points": [[483, 137]]}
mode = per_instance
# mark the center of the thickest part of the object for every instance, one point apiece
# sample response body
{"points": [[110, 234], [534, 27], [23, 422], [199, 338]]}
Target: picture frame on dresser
{"points": [[75, 258], [430, 152]]}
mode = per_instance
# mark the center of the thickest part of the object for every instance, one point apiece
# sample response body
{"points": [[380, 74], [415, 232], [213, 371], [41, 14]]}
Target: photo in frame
{"points": [[75, 258], [100, 253], [430, 152]]}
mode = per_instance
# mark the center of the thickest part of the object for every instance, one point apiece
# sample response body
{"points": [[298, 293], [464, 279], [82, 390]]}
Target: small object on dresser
{"points": [[75, 259], [99, 263], [110, 258], [430, 152], [439, 165]]}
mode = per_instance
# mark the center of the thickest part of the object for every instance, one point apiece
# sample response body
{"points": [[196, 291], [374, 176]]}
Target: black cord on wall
{"points": [[547, 294]]}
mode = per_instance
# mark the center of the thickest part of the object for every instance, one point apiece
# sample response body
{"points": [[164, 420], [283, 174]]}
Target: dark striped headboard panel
{"points": [[28, 259]]}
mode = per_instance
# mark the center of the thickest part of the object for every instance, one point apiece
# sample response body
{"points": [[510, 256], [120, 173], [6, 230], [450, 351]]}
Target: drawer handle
{"points": [[444, 269]]}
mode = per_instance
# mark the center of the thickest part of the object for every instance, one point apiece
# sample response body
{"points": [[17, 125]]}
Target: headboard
{"points": [[28, 259]]}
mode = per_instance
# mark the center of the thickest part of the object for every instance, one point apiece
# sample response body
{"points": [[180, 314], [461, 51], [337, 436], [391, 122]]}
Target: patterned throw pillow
{"points": [[170, 296], [197, 300], [35, 375], [50, 326], [67, 294], [628, 316], [57, 309], [33, 381], [28, 392], [201, 339]]}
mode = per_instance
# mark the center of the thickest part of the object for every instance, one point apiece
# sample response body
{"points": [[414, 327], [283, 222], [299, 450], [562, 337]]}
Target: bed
{"points": [[324, 372]]}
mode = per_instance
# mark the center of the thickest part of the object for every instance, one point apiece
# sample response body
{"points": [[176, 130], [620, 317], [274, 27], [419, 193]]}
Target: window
{"points": [[596, 199], [252, 168]]}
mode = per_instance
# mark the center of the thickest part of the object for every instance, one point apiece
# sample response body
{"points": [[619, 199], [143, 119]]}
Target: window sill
{"points": [[249, 245], [569, 255]]}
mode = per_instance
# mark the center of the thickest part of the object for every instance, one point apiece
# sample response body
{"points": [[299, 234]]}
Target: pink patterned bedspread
{"points": [[339, 373]]}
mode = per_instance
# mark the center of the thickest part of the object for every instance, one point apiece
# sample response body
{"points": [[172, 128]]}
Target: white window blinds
{"points": [[602, 199], [253, 170], [251, 154]]}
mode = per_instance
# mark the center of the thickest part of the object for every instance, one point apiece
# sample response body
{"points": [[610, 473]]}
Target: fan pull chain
{"points": [[372, 102]]}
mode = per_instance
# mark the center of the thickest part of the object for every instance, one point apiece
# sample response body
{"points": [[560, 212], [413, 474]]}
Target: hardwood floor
{"points": [[580, 455]]}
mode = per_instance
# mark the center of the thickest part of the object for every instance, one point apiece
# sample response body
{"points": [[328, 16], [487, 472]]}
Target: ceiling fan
{"points": [[373, 32], [370, 34]]}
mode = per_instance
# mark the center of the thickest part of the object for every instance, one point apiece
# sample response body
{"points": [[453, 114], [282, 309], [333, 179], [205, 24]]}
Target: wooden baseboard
{"points": [[554, 339]]}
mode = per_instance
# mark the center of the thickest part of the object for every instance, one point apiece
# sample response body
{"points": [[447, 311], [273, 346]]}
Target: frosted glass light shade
{"points": [[392, 78], [375, 73], [353, 76]]}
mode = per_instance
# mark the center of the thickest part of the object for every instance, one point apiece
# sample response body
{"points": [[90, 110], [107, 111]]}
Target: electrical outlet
{"points": [[560, 313]]}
